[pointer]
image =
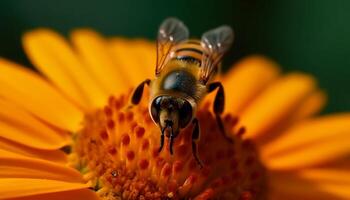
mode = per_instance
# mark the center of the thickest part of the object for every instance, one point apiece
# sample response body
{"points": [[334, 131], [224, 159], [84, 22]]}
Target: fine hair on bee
{"points": [[184, 75]]}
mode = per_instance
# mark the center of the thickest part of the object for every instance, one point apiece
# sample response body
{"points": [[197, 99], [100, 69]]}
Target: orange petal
{"points": [[246, 80], [57, 156], [29, 91], [14, 165], [21, 187], [53, 56], [291, 186], [135, 58], [83, 194], [19, 126], [94, 52], [309, 143], [276, 104]]}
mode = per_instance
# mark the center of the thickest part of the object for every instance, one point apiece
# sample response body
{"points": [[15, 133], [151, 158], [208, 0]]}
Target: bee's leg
{"points": [[195, 138], [171, 142], [161, 140], [219, 104], [137, 95]]}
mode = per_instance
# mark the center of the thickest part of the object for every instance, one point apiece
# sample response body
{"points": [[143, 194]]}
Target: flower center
{"points": [[117, 151]]}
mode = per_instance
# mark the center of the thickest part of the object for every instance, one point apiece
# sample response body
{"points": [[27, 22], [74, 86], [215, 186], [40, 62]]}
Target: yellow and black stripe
{"points": [[190, 50]]}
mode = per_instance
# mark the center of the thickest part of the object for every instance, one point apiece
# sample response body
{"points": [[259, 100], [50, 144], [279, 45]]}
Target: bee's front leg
{"points": [[161, 140], [195, 138], [219, 105], [171, 142], [137, 95]]}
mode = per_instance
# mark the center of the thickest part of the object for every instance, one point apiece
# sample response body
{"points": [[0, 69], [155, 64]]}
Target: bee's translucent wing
{"points": [[215, 43], [171, 32]]}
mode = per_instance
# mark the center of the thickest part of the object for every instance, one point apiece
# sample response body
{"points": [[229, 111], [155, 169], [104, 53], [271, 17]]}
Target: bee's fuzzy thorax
{"points": [[178, 65]]}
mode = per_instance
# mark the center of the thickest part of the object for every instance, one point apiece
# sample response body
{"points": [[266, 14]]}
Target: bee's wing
{"points": [[215, 44], [171, 32]]}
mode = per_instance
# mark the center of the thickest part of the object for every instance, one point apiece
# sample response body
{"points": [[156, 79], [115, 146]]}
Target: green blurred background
{"points": [[307, 35]]}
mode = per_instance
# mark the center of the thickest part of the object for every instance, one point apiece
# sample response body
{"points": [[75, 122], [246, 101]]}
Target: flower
{"points": [[68, 132]]}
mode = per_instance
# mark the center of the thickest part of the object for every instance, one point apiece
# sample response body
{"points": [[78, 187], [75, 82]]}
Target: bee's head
{"points": [[171, 113]]}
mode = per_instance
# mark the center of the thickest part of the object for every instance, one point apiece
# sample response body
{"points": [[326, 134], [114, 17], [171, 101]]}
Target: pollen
{"points": [[117, 152]]}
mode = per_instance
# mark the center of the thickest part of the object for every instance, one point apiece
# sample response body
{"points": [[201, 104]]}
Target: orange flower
{"points": [[70, 134]]}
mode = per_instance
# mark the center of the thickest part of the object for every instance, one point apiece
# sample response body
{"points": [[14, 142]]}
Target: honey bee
{"points": [[183, 77]]}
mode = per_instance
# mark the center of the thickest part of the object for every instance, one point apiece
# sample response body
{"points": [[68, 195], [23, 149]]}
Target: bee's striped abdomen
{"points": [[190, 51]]}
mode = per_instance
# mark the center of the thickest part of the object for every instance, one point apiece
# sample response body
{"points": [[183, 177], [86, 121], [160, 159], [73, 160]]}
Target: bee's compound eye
{"points": [[155, 109], [185, 114]]}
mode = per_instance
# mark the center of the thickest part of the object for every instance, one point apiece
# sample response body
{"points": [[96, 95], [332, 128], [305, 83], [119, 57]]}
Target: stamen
{"points": [[104, 135], [118, 153], [110, 124], [130, 155], [112, 150], [125, 139], [108, 111], [166, 170], [145, 144], [140, 131], [144, 164]]}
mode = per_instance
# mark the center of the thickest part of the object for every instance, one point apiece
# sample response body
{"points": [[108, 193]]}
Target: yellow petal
{"points": [[21, 187], [20, 126], [340, 164], [291, 186], [276, 104], [135, 58], [246, 80], [308, 108], [309, 143], [312, 105], [53, 56], [51, 155], [14, 165], [83, 194], [94, 52], [30, 92], [326, 176], [32, 139], [343, 191], [333, 181]]}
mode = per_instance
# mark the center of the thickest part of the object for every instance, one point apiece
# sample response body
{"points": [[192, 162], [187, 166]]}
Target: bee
{"points": [[184, 75]]}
